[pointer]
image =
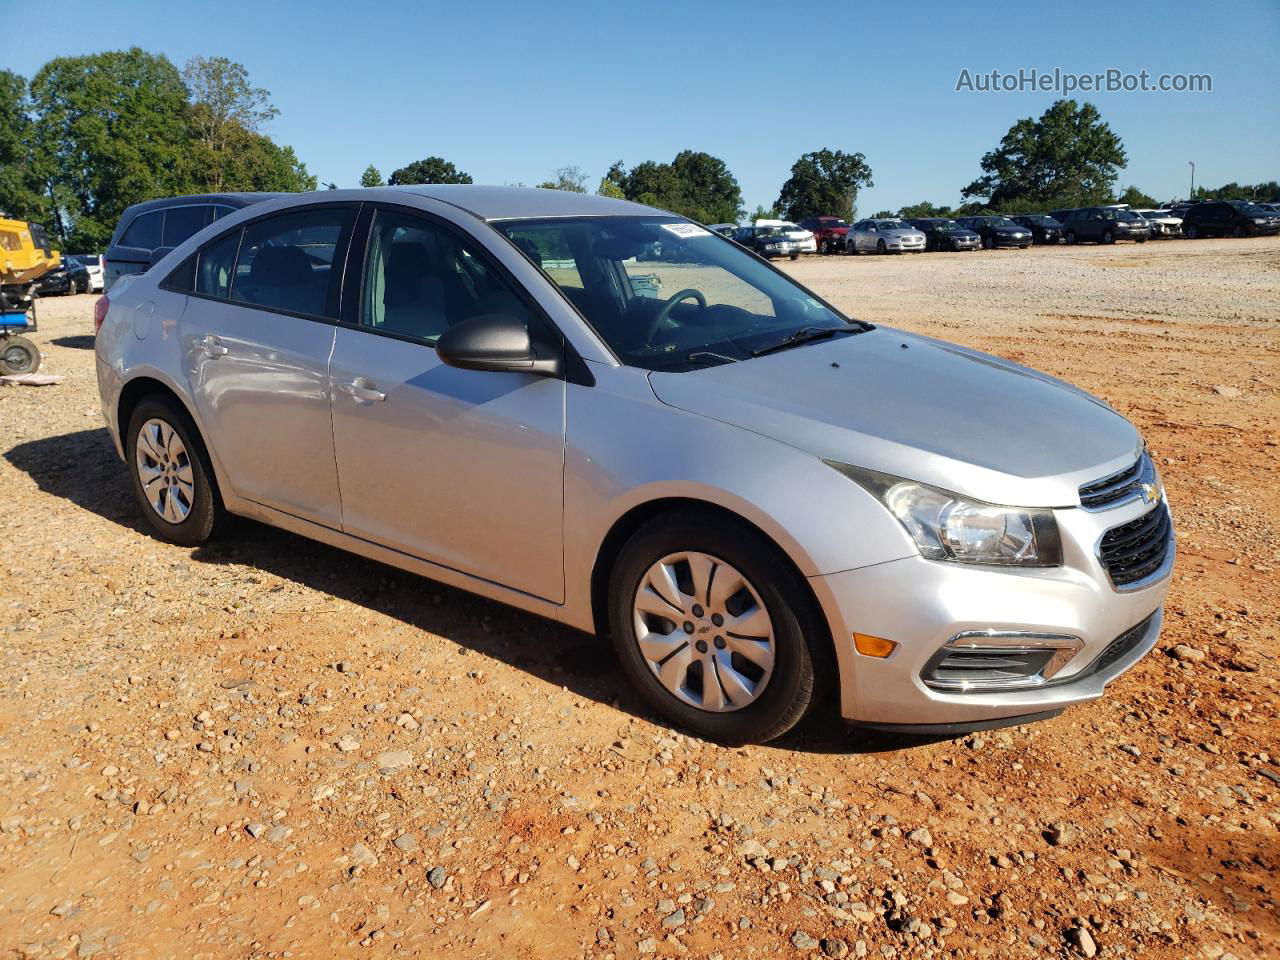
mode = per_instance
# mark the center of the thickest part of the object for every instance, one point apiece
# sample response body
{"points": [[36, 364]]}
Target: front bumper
{"points": [[922, 604], [1006, 241], [904, 246], [965, 243]]}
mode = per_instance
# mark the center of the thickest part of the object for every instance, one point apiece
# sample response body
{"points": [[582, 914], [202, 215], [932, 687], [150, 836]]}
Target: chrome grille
{"points": [[1134, 551], [1119, 487]]}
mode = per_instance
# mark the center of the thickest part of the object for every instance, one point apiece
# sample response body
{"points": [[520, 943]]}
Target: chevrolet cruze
{"points": [[608, 415]]}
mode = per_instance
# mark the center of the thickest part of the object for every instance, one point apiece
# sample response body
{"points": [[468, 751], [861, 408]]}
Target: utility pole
{"points": [[1192, 194]]}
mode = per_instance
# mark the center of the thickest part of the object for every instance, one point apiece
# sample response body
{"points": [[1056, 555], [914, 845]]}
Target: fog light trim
{"points": [[989, 661]]}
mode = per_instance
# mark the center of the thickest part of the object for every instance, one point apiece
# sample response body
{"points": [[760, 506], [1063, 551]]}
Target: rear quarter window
{"points": [[182, 223], [145, 231]]}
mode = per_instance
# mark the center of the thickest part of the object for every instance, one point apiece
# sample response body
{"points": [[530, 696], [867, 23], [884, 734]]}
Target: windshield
{"points": [[892, 225], [1001, 222], [1253, 209], [947, 225], [667, 294], [1127, 215], [833, 224]]}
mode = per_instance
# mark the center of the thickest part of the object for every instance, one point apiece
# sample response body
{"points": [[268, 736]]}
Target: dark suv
{"points": [[1104, 225], [149, 230], [830, 232], [997, 231], [1043, 229], [1236, 218]]}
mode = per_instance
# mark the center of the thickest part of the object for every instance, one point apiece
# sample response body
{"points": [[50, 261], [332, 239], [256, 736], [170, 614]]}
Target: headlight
{"points": [[947, 526]]}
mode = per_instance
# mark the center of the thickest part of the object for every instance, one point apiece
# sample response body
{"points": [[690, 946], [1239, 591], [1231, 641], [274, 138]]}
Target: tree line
{"points": [[88, 136]]}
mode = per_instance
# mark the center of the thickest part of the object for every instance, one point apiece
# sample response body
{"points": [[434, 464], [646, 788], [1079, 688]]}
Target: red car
{"points": [[830, 232]]}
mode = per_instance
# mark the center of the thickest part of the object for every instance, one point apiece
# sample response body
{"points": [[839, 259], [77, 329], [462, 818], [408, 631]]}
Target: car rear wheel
{"points": [[173, 478], [1237, 231], [714, 629], [18, 355], [1192, 232]]}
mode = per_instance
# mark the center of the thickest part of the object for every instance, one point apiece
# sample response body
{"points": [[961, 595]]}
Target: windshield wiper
{"points": [[708, 356], [803, 335]]}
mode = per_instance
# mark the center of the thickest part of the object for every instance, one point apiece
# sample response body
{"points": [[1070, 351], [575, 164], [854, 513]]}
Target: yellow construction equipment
{"points": [[25, 256]]}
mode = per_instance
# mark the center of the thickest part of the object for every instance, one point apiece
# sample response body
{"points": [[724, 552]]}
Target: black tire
{"points": [[803, 663], [824, 248], [206, 511], [18, 355], [1071, 238], [988, 243], [1192, 232], [880, 247], [795, 256], [1237, 231], [1139, 239]]}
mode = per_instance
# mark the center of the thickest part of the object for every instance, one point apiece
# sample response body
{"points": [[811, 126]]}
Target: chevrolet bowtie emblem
{"points": [[1150, 493]]}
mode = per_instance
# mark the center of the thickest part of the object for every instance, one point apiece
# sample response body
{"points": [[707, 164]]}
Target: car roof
{"points": [[228, 199], [518, 203]]}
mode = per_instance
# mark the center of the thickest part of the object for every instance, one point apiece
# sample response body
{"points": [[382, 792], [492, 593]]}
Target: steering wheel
{"points": [[670, 304]]}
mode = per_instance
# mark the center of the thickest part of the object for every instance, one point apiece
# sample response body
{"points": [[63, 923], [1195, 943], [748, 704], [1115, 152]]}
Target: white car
{"points": [[804, 240], [1164, 223], [93, 263]]}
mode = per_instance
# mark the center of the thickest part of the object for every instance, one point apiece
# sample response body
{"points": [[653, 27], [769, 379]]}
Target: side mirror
{"points": [[495, 342], [158, 254]]}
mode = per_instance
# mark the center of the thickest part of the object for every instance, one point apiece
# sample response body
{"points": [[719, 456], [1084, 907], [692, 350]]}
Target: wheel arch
{"points": [[640, 514], [145, 385]]}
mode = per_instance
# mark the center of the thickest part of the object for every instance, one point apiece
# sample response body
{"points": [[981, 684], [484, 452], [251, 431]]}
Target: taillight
{"points": [[100, 312]]}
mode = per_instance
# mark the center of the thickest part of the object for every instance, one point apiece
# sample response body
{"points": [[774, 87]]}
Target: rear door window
{"points": [[144, 232], [290, 262], [216, 264], [182, 223]]}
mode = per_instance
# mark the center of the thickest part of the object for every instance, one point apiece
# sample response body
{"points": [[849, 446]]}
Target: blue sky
{"points": [[510, 91]]}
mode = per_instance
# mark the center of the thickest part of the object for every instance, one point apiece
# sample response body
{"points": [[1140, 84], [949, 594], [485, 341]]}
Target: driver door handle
{"points": [[362, 390], [213, 347]]}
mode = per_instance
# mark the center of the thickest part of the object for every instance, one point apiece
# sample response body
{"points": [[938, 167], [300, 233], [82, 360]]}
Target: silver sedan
{"points": [[884, 236], [607, 415]]}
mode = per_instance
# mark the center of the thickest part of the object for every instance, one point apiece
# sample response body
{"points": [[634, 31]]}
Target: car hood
{"points": [[901, 234], [962, 234], [922, 409]]}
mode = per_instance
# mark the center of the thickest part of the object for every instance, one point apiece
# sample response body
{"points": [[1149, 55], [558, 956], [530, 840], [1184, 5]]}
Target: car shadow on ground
{"points": [[79, 341], [83, 468]]}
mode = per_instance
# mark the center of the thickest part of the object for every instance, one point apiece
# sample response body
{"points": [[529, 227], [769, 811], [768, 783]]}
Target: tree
{"points": [[763, 213], [916, 211], [224, 104], [1136, 198], [610, 188], [372, 177], [21, 193], [824, 183], [430, 170], [695, 185], [110, 130], [252, 161], [1067, 158], [570, 179], [883, 215], [1265, 192]]}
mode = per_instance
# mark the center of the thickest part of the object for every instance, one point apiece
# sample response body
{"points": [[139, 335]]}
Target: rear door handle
{"points": [[362, 390], [213, 347]]}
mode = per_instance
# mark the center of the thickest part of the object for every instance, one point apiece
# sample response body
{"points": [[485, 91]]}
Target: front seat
{"points": [[413, 297]]}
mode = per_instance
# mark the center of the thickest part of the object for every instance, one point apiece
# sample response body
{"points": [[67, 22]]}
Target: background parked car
{"points": [[803, 239], [830, 232], [93, 263], [147, 231], [66, 279], [997, 231], [1236, 218], [1163, 222], [1106, 225], [769, 242], [885, 236], [941, 233], [724, 229], [1044, 229]]}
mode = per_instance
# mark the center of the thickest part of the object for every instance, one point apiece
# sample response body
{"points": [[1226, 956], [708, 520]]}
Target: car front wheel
{"points": [[714, 629], [172, 476]]}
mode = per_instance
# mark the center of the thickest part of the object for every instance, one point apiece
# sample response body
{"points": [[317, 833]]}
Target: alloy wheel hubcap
{"points": [[164, 467], [704, 632]]}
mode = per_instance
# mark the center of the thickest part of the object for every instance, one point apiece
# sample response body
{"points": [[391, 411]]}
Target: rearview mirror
{"points": [[495, 342]]}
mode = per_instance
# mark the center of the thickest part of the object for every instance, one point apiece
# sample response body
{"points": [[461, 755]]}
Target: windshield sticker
{"points": [[685, 230]]}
